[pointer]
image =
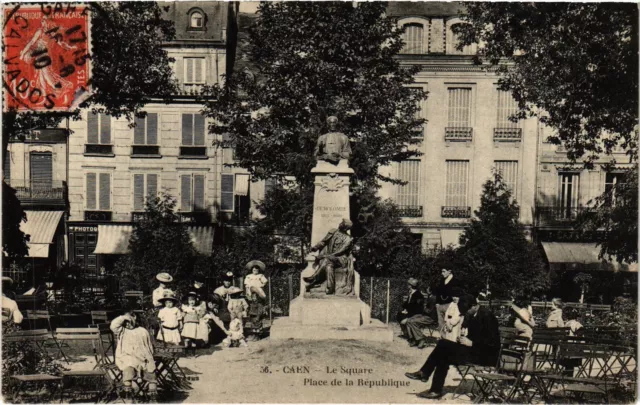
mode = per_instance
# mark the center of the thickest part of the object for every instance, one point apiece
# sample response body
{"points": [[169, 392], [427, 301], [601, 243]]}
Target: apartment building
{"points": [[468, 131], [115, 167]]}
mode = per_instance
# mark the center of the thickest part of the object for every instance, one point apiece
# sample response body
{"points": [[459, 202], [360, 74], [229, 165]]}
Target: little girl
{"points": [[236, 334], [255, 281], [237, 306], [524, 322], [170, 319], [191, 321], [555, 316]]}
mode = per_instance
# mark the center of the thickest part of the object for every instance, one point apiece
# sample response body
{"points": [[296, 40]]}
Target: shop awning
{"points": [[580, 257], [450, 236], [41, 226], [114, 239], [242, 184]]}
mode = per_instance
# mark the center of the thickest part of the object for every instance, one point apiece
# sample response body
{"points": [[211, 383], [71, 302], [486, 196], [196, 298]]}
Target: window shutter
{"points": [[413, 38], [105, 129], [6, 171], [185, 193], [105, 191], [92, 128], [41, 170], [198, 192], [152, 129], [508, 169], [91, 191], [408, 194], [138, 131], [152, 186], [226, 203], [456, 183], [198, 70], [187, 129], [198, 130], [459, 107], [189, 70], [507, 107], [138, 192]]}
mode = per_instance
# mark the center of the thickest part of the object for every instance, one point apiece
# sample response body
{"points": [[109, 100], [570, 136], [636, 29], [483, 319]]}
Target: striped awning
{"points": [[114, 239], [580, 257], [242, 184], [41, 227]]}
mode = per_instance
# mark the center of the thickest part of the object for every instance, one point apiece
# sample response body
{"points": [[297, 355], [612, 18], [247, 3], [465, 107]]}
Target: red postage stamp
{"points": [[47, 57]]}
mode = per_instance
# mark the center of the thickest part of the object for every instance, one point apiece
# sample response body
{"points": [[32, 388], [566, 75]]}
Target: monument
{"points": [[329, 304]]}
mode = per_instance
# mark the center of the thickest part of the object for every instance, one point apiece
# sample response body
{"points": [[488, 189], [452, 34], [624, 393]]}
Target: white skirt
{"points": [[169, 336]]}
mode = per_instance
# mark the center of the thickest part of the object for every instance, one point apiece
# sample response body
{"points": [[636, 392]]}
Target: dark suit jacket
{"points": [[483, 331], [414, 305], [445, 292]]}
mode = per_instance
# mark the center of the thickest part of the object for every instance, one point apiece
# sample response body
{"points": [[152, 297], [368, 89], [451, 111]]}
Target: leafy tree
{"points": [[129, 68], [616, 212], [159, 242], [304, 62], [494, 249], [309, 61], [576, 69]]}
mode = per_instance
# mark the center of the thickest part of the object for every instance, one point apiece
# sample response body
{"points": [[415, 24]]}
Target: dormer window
{"points": [[415, 36], [452, 40], [196, 20]]}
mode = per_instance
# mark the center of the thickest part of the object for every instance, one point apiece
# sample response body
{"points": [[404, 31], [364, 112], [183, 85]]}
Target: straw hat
{"points": [[228, 276], [413, 282], [164, 278], [255, 263], [169, 295]]}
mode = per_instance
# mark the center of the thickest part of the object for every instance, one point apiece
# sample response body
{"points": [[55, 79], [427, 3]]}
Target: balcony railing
{"points": [[98, 149], [558, 216], [97, 216], [190, 89], [455, 212], [410, 211], [195, 217], [463, 134], [507, 134], [193, 151], [28, 190], [145, 150]]}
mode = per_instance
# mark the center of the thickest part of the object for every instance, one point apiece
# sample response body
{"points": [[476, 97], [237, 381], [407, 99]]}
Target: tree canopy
{"points": [[306, 61], [575, 67]]}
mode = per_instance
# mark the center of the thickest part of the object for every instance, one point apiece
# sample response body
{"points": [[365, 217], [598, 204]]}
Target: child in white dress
{"points": [[170, 319], [191, 319], [255, 281]]}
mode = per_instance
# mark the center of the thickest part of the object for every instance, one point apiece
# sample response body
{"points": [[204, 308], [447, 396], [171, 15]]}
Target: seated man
{"points": [[481, 346], [134, 353], [412, 319], [10, 311]]}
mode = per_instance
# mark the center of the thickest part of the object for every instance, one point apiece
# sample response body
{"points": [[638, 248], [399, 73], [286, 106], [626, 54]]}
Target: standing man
{"points": [[480, 346], [447, 291], [10, 311]]}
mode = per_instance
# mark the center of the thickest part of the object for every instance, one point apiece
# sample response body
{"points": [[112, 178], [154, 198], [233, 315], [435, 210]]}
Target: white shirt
{"points": [[10, 310], [446, 280]]}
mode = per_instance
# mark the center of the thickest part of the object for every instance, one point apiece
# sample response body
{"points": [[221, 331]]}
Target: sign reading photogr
{"points": [[46, 57]]}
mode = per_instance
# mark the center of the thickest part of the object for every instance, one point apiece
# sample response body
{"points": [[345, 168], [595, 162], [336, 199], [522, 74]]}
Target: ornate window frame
{"points": [[190, 14]]}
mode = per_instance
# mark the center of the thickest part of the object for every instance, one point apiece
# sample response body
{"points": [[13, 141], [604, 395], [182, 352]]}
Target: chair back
{"points": [[70, 335], [514, 354], [507, 332], [134, 298], [33, 316], [99, 317], [592, 356], [108, 342], [33, 335]]}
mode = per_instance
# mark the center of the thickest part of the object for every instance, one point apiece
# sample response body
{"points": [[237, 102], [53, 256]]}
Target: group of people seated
{"points": [[469, 333], [191, 323]]}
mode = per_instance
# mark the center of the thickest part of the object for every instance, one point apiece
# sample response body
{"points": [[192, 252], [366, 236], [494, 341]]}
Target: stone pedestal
{"points": [[315, 315]]}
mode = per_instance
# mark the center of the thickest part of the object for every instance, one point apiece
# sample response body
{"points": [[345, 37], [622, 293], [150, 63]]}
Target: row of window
{"points": [[456, 189], [416, 38], [145, 135], [460, 111], [192, 191]]}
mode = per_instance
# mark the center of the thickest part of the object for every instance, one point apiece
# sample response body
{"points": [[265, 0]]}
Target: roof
{"points": [[424, 8], [580, 256]]}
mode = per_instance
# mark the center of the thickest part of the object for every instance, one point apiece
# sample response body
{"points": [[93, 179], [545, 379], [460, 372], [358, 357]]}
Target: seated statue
{"points": [[335, 256], [333, 146]]}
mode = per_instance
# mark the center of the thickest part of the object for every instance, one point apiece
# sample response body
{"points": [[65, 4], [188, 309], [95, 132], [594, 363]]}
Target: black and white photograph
{"points": [[343, 202]]}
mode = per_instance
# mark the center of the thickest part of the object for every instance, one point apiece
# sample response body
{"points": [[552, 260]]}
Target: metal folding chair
{"points": [[38, 316]]}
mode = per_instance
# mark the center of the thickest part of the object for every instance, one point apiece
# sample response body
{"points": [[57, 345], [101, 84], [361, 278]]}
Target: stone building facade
{"points": [[468, 131]]}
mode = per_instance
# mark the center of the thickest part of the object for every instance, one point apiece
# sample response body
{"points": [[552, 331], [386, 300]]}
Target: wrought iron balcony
{"points": [[507, 134], [43, 192], [455, 212], [145, 150], [193, 151], [97, 216], [410, 211], [462, 134], [190, 89], [97, 149], [558, 216]]}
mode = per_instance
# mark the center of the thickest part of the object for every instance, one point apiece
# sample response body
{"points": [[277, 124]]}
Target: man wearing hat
{"points": [[480, 346], [335, 253], [10, 311], [412, 318], [158, 293]]}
